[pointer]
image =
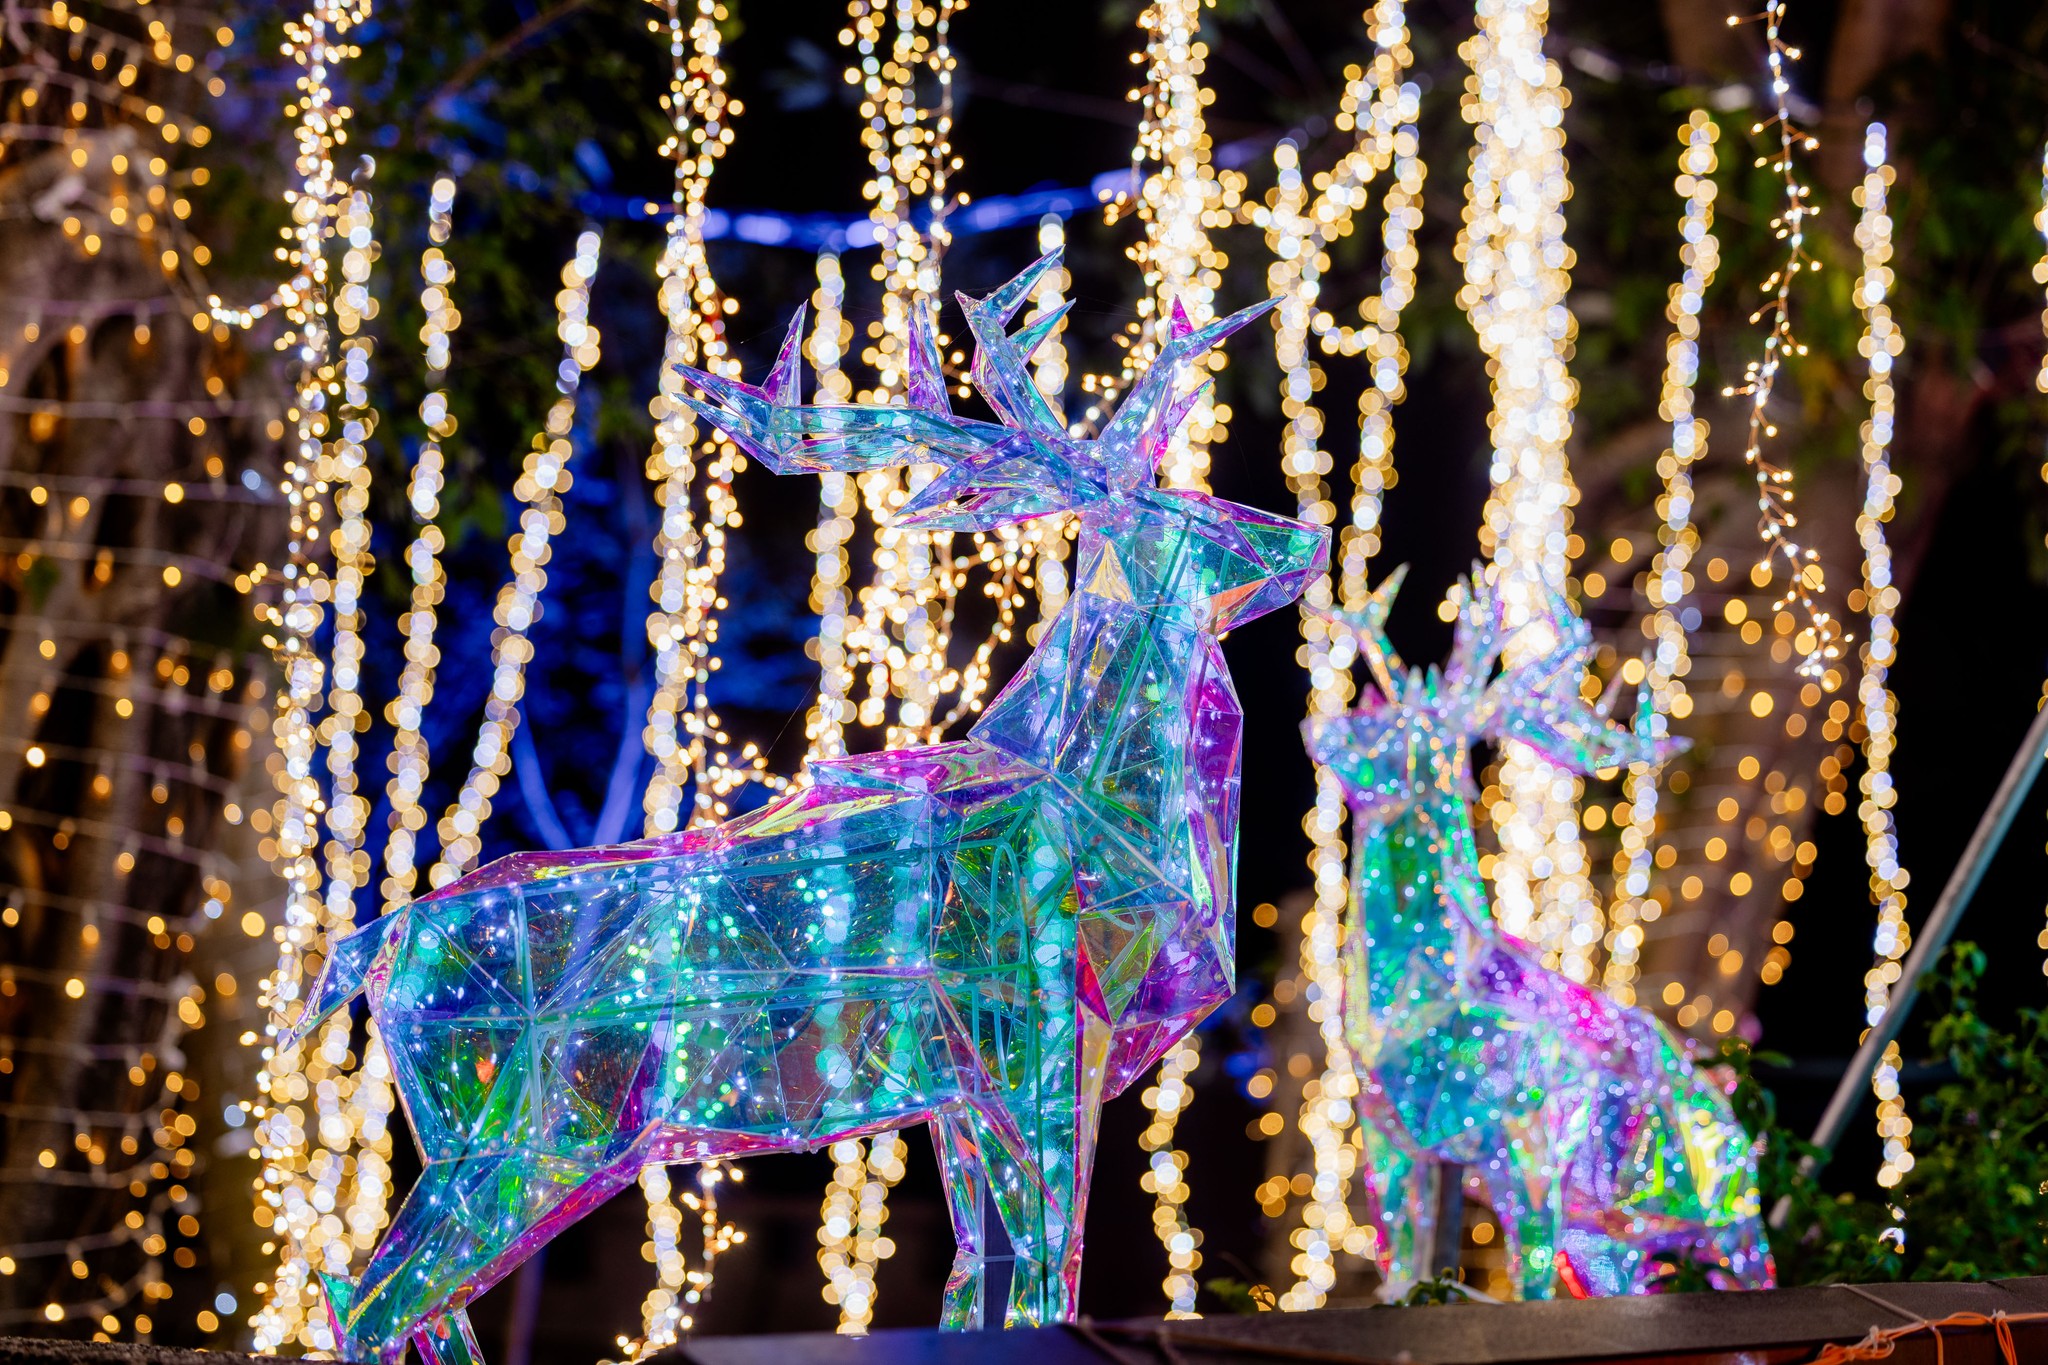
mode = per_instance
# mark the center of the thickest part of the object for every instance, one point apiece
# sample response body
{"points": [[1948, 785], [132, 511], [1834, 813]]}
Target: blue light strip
{"points": [[815, 232]]}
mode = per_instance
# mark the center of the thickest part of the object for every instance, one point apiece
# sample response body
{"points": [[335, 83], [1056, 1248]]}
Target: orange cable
{"points": [[1879, 1343]]}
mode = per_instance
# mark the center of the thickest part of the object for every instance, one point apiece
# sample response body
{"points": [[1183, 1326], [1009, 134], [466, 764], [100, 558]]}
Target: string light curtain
{"points": [[126, 502], [1302, 217], [1662, 673], [1878, 710], [1516, 278], [327, 1205]]}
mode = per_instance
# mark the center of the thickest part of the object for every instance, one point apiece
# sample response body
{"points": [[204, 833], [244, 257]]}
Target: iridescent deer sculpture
{"points": [[990, 936], [1605, 1154]]}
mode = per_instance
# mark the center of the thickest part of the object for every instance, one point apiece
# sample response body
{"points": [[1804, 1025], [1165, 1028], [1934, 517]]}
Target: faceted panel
{"points": [[465, 1084]]}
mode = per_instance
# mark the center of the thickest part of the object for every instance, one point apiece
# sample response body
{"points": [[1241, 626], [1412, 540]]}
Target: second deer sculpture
{"points": [[1605, 1153]]}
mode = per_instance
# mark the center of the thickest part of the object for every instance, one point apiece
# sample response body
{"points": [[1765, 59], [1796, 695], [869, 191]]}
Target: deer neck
{"points": [[1419, 916], [1116, 678]]}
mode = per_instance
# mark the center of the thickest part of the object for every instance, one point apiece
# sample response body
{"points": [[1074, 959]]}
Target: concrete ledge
{"points": [[53, 1351], [1776, 1327]]}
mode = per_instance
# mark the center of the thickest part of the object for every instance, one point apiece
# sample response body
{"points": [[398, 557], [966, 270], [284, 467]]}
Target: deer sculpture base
{"points": [[991, 937], [1606, 1155]]}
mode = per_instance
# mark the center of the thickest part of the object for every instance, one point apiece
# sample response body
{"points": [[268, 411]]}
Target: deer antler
{"points": [[1368, 630], [990, 474]]}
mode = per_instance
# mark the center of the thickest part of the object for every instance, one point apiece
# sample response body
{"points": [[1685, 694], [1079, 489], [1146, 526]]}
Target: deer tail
{"points": [[348, 965], [340, 1293]]}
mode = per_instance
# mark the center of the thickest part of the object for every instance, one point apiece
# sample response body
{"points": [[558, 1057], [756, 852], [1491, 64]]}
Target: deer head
{"points": [[1197, 559], [1410, 740]]}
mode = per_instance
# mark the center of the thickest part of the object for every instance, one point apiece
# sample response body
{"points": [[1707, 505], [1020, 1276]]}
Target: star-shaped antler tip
{"points": [[784, 385]]}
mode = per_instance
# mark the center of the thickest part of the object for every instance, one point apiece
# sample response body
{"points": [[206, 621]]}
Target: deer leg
{"points": [[447, 1339], [965, 1173], [1598, 1266], [1405, 1213], [466, 1223], [1516, 1188], [1047, 1151]]}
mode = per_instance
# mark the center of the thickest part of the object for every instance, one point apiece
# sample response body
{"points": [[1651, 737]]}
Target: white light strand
{"points": [[1819, 642], [838, 505], [1379, 106], [851, 1241], [543, 480], [906, 608], [1881, 345], [681, 728], [297, 1176], [410, 757], [1669, 580], [1179, 199], [1516, 279], [1167, 1098]]}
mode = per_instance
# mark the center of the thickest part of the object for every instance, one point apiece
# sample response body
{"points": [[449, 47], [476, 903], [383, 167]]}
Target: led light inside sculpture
{"points": [[990, 936], [1605, 1154]]}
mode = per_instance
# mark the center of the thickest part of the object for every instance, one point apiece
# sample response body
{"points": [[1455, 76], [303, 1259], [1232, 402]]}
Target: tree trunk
{"points": [[128, 662]]}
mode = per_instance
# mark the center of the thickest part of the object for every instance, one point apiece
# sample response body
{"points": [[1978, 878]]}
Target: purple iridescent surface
{"points": [[991, 936], [1606, 1155]]}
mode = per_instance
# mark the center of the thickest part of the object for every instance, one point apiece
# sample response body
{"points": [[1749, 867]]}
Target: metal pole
{"points": [[1934, 935]]}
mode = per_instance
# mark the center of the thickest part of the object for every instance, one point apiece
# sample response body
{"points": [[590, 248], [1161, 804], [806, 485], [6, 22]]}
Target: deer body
{"points": [[1603, 1151], [990, 936]]}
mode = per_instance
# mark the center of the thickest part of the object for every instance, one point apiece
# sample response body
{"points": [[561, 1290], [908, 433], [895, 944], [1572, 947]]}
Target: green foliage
{"points": [[1974, 1206], [1445, 1287], [1235, 1296]]}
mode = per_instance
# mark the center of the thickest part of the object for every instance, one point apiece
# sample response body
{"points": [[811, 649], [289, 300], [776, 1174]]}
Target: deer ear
{"points": [[983, 511], [1558, 724], [1017, 479]]}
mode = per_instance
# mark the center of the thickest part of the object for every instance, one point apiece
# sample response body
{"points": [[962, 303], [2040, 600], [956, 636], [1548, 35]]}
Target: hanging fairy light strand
{"points": [[1820, 641], [1516, 280], [1878, 709], [838, 505], [1378, 107], [683, 734], [1668, 583], [1179, 198], [406, 714], [297, 1175]]}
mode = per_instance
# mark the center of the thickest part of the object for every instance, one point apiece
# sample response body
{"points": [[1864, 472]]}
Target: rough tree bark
{"points": [[1768, 830], [128, 666]]}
